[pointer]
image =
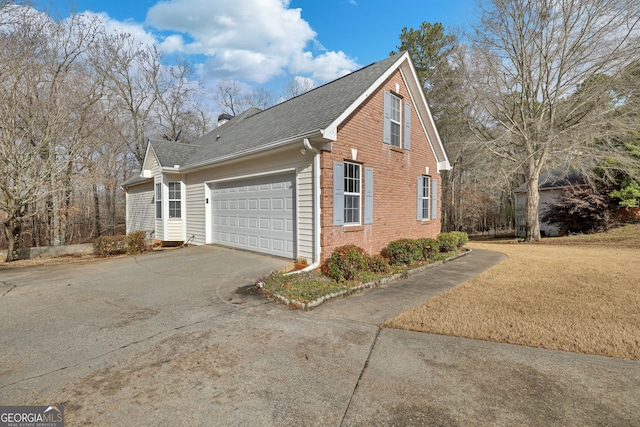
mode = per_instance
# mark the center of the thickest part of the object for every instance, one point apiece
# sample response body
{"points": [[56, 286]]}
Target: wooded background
{"points": [[537, 85]]}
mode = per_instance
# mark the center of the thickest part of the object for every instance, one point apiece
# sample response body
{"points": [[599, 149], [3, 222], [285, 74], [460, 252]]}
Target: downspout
{"points": [[316, 205]]}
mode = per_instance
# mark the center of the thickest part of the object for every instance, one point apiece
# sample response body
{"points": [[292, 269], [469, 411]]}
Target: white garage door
{"points": [[254, 214]]}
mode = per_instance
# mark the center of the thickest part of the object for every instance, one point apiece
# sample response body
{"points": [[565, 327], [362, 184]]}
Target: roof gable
{"points": [[314, 114]]}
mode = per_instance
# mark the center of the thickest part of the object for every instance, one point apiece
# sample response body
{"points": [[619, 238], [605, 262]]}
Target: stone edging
{"points": [[304, 306]]}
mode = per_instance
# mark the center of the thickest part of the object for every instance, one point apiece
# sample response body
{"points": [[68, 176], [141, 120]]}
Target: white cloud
{"points": [[254, 40], [324, 67]]}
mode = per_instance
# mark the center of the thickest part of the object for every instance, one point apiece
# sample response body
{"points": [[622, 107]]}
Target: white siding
{"points": [[140, 208], [156, 173], [174, 230], [305, 213], [197, 191]]}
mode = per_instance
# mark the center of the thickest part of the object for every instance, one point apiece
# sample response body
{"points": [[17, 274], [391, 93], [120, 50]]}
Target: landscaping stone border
{"points": [[306, 306]]}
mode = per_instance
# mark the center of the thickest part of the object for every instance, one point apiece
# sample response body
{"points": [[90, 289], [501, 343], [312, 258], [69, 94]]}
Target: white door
{"points": [[255, 214]]}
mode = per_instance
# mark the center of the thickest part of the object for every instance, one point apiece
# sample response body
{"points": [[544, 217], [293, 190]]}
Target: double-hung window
{"points": [[426, 197], [175, 200], [427, 202], [396, 114], [396, 125], [352, 193], [158, 200]]}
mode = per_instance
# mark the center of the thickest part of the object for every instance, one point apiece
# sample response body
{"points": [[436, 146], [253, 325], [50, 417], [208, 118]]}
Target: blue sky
{"points": [[264, 42]]}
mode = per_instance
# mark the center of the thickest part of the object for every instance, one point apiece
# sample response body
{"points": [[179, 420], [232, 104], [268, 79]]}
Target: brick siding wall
{"points": [[395, 173]]}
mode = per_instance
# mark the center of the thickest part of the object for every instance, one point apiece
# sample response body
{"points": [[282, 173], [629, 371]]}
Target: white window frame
{"points": [[158, 200], [354, 196], [426, 197], [395, 118], [175, 203]]}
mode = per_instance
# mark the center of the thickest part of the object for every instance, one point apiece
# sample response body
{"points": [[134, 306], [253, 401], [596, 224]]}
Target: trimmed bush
{"points": [[448, 242], [403, 251], [345, 263], [429, 247], [136, 242], [462, 237], [378, 264], [109, 245]]}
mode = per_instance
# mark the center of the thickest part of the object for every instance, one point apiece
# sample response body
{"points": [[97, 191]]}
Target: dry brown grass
{"points": [[579, 293]]}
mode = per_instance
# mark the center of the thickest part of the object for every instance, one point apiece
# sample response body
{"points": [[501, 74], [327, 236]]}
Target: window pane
{"points": [[395, 134], [174, 190], [174, 209], [352, 193]]}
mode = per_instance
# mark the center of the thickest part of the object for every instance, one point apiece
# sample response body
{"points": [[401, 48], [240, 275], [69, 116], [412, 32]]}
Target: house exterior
{"points": [[356, 160], [550, 185]]}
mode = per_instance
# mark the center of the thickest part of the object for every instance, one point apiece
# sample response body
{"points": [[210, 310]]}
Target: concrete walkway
{"points": [[175, 339]]}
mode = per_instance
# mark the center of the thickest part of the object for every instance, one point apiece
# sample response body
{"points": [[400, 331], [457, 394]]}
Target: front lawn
{"points": [[578, 293]]}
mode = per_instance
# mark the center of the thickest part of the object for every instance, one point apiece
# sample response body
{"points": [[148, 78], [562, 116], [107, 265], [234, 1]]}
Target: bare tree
{"points": [[131, 70], [45, 96], [179, 111], [297, 85], [540, 70], [232, 98]]}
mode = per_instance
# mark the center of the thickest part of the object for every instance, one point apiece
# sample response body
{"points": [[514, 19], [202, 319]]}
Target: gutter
{"points": [[316, 211], [256, 150]]}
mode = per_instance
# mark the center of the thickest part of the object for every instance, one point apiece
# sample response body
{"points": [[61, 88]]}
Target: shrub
{"points": [[136, 242], [109, 245], [403, 251], [378, 264], [429, 247], [448, 242], [345, 263], [462, 237], [580, 210]]}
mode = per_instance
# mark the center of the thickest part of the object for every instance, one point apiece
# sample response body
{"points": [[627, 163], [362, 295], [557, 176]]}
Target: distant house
{"points": [[550, 185], [356, 160]]}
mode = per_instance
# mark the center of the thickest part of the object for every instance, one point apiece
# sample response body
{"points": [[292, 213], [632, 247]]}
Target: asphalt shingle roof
{"points": [[304, 114]]}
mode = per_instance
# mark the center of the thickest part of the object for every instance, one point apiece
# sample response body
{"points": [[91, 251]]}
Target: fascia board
{"points": [[233, 156], [420, 101]]}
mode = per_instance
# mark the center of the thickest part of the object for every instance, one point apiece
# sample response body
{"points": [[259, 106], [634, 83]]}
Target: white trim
{"points": [[332, 128], [359, 194], [424, 110], [252, 175]]}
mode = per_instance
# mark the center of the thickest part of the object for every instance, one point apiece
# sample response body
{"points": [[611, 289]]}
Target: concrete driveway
{"points": [[174, 339]]}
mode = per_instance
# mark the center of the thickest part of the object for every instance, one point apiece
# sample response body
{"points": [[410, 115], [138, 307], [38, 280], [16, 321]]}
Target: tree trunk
{"points": [[96, 211], [532, 225], [11, 229]]}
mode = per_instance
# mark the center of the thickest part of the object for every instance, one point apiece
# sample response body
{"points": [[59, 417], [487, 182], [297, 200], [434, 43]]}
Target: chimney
{"points": [[224, 118]]}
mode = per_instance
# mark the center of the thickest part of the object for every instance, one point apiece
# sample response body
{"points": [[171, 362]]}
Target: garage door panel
{"points": [[255, 214]]}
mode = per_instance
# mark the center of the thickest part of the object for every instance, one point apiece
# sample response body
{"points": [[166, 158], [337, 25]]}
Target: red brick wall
{"points": [[395, 173]]}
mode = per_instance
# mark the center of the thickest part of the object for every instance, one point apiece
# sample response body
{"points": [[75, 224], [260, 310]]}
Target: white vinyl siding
{"points": [[140, 208], [305, 212]]}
